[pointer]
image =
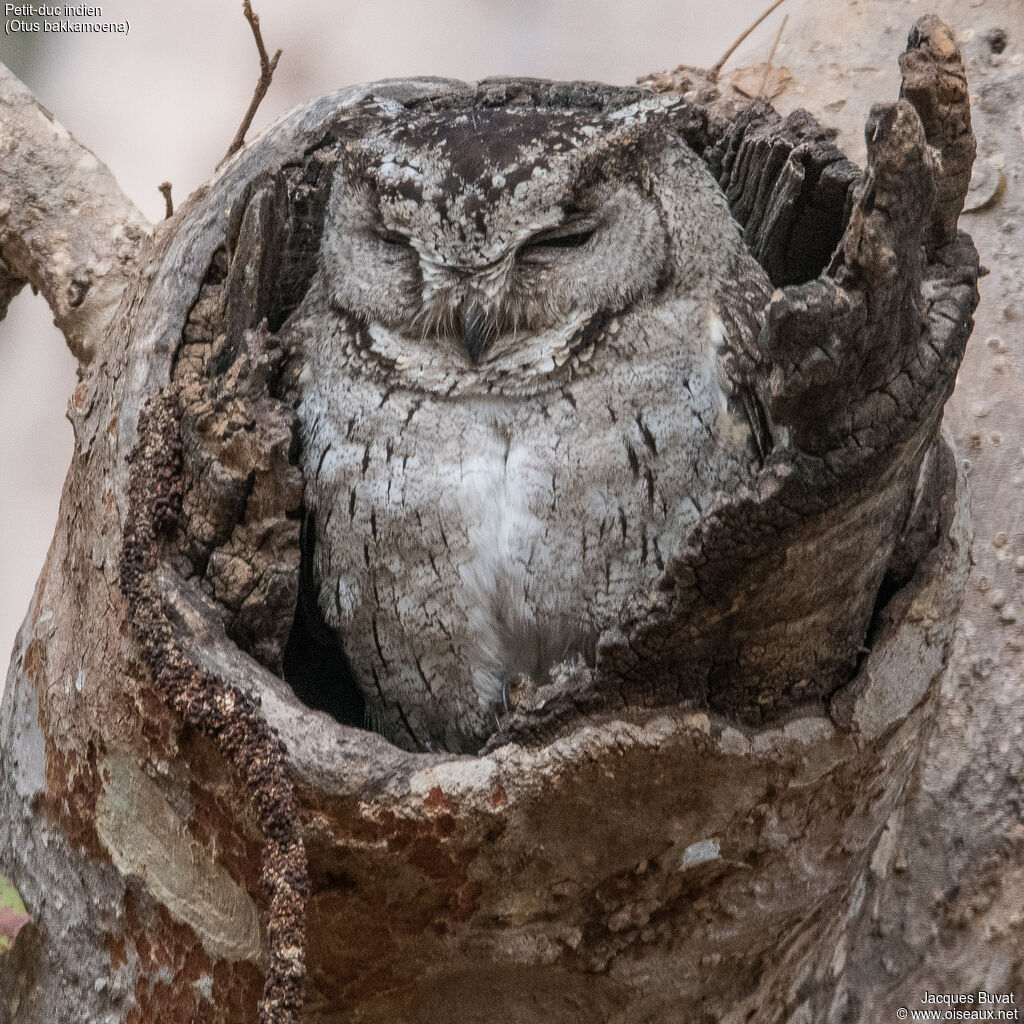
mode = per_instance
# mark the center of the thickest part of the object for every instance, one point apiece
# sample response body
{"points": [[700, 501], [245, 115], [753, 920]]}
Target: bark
{"points": [[943, 899], [65, 227], [685, 831]]}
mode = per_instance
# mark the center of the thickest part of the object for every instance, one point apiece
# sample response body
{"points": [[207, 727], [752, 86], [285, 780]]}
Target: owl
{"points": [[514, 403]]}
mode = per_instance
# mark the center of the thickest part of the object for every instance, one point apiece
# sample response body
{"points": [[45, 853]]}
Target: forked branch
{"points": [[268, 65], [716, 68]]}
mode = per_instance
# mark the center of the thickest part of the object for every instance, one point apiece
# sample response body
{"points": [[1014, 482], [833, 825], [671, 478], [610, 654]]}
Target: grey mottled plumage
{"points": [[513, 401]]}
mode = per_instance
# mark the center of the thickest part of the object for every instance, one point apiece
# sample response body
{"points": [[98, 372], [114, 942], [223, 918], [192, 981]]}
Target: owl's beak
{"points": [[473, 333]]}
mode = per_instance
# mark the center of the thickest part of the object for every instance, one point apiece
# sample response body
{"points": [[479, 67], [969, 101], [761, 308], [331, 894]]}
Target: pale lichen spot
{"points": [[700, 853]]}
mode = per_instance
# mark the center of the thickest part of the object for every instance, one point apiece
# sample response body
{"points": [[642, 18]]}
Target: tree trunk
{"points": [[943, 907], [684, 831]]}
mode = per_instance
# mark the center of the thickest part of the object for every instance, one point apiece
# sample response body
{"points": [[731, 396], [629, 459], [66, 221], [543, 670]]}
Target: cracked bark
{"points": [[686, 830]]}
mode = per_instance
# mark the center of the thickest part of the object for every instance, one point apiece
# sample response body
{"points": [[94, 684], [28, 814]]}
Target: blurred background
{"points": [[163, 102]]}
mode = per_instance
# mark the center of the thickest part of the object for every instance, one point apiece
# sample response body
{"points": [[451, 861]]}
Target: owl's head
{"points": [[500, 241]]}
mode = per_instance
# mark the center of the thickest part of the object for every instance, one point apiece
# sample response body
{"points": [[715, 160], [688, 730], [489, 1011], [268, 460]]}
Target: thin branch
{"points": [[267, 67], [80, 264], [771, 56], [164, 188], [716, 69]]}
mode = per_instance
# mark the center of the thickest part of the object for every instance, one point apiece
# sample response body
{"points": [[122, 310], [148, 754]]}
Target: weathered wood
{"points": [[789, 186], [935, 83], [852, 369]]}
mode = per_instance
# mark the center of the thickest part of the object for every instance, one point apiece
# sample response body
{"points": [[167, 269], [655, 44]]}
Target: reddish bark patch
{"points": [[168, 1001], [34, 662], [200, 991], [236, 990], [423, 844], [437, 801], [73, 786], [343, 972], [427, 854], [158, 725], [367, 929]]}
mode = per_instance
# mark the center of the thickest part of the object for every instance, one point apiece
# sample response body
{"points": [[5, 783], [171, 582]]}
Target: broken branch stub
{"points": [[935, 83], [834, 343]]}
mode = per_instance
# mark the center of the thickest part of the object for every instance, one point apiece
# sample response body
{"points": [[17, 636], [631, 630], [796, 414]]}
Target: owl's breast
{"points": [[461, 543]]}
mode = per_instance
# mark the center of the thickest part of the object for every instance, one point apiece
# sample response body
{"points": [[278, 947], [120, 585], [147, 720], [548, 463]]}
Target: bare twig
{"points": [[771, 56], [267, 67], [720, 63], [164, 189]]}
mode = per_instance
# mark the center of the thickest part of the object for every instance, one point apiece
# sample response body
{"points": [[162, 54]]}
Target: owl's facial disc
{"points": [[478, 246], [511, 294], [529, 281]]}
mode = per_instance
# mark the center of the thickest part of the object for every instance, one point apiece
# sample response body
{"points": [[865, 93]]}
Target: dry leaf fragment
{"points": [[762, 79]]}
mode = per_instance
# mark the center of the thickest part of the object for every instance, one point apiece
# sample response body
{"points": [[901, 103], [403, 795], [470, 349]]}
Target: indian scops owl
{"points": [[513, 405]]}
